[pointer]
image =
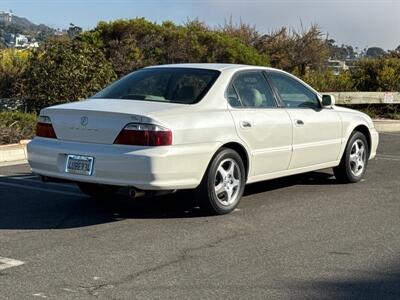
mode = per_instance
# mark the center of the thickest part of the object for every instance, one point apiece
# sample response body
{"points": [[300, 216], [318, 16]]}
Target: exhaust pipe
{"points": [[135, 193]]}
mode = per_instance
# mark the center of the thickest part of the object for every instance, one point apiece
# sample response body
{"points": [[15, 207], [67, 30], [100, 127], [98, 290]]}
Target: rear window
{"points": [[174, 85]]}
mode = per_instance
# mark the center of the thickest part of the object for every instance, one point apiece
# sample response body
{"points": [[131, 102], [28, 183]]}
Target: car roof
{"points": [[208, 66]]}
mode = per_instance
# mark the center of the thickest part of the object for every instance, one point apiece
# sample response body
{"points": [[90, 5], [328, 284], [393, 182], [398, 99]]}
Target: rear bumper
{"points": [[157, 168]]}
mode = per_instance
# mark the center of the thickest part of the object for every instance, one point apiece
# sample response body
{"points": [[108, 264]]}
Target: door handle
{"points": [[245, 124], [299, 122]]}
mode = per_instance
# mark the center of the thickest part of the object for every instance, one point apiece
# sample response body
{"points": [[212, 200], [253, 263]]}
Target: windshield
{"points": [[174, 85]]}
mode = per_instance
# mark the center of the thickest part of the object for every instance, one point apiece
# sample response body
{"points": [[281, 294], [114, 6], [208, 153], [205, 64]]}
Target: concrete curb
{"points": [[13, 152], [385, 125], [16, 153]]}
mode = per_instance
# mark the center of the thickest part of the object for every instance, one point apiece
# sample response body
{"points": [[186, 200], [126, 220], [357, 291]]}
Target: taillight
{"points": [[44, 128], [144, 135]]}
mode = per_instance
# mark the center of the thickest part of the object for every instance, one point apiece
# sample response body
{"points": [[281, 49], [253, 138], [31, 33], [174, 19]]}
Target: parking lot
{"points": [[299, 237]]}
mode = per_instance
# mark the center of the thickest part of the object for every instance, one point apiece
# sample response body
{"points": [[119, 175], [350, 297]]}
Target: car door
{"points": [[260, 123], [317, 131]]}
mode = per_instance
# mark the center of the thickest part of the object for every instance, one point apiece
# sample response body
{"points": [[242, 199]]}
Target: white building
{"points": [[337, 66], [5, 17], [21, 41]]}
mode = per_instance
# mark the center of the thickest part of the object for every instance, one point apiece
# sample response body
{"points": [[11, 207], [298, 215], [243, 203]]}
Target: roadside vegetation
{"points": [[16, 126], [65, 70]]}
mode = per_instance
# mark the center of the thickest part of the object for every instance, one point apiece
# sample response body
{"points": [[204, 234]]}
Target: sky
{"points": [[361, 23]]}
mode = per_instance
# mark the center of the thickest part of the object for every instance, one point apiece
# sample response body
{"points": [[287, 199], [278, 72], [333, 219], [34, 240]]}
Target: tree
{"points": [[342, 52], [246, 33], [74, 30], [295, 50], [375, 52]]}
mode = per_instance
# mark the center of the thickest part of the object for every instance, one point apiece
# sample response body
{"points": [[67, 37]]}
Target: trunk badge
{"points": [[84, 121]]}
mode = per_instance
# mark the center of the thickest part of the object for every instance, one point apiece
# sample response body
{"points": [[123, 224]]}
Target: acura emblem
{"points": [[84, 121]]}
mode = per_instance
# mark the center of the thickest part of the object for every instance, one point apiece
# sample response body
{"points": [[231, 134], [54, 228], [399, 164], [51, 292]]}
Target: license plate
{"points": [[78, 164]]}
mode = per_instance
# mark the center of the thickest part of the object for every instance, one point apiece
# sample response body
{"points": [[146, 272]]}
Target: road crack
{"points": [[184, 255]]}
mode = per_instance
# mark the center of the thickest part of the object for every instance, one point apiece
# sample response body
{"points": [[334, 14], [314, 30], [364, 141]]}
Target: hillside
{"points": [[24, 26]]}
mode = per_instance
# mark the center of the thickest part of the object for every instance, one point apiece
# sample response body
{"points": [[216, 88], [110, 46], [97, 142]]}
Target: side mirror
{"points": [[328, 100]]}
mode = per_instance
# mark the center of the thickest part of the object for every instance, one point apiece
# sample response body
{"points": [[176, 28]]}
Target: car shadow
{"points": [[35, 208], [383, 284], [311, 178]]}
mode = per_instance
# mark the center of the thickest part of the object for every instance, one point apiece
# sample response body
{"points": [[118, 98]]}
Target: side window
{"points": [[253, 91], [292, 92], [233, 97]]}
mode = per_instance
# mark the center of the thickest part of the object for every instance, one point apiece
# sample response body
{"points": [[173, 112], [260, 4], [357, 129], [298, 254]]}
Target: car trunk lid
{"points": [[100, 120]]}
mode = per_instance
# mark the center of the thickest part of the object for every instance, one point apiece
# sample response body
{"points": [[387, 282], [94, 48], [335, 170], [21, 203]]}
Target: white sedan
{"points": [[209, 127]]}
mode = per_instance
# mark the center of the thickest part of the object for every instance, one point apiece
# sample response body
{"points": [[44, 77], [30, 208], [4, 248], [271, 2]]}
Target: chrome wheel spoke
{"points": [[356, 147], [362, 150], [222, 171], [229, 194], [220, 188], [353, 158], [231, 169], [235, 183], [361, 163]]}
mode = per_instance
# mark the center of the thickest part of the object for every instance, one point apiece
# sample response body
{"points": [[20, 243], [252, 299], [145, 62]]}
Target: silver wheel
{"points": [[227, 182], [357, 157]]}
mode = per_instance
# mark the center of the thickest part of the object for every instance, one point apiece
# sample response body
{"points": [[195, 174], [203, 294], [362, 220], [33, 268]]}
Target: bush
{"points": [[63, 71], [382, 74], [133, 44], [16, 126], [326, 81], [12, 67]]}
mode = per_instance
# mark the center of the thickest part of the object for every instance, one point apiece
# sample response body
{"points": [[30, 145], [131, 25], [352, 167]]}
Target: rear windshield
{"points": [[174, 85]]}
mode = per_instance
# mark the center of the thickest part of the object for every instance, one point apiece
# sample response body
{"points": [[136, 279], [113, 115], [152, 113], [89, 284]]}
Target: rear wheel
{"points": [[98, 191], [355, 159], [223, 184]]}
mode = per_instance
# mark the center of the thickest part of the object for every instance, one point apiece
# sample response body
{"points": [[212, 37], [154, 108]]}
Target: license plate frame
{"points": [[79, 164]]}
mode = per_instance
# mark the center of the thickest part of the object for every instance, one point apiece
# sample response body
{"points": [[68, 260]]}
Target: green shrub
{"points": [[326, 81], [381, 74], [13, 64], [136, 43], [63, 71], [16, 126]]}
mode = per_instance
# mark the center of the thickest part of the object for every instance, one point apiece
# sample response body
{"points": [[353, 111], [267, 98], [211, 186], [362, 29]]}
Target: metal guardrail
{"points": [[366, 97]]}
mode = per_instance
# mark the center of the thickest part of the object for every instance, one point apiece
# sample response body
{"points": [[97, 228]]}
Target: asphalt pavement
{"points": [[301, 237]]}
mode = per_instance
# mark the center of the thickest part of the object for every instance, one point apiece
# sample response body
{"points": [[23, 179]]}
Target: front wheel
{"points": [[354, 161], [223, 184], [98, 191]]}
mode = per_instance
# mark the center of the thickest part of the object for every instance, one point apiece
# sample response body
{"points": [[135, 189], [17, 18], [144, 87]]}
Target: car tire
{"points": [[97, 191], [354, 161], [223, 183]]}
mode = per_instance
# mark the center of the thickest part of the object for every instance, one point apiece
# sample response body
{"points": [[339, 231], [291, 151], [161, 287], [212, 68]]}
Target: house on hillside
{"points": [[5, 17], [337, 66], [21, 41]]}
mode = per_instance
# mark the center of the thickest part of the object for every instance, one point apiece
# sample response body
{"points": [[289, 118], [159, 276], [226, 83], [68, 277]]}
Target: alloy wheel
{"points": [[227, 182], [357, 157]]}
